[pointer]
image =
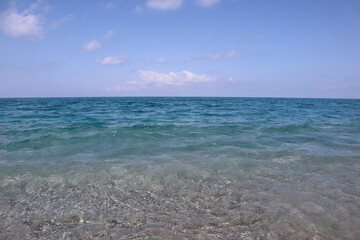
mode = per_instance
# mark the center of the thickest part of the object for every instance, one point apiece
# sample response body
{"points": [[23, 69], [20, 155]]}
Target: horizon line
{"points": [[43, 97]]}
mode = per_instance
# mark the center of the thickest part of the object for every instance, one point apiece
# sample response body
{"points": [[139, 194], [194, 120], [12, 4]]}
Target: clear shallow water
{"points": [[179, 168]]}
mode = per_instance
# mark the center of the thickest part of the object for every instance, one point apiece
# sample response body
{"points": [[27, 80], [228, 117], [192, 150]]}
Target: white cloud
{"points": [[229, 54], [61, 21], [108, 34], [152, 79], [172, 78], [28, 23], [95, 44], [112, 60], [91, 46], [207, 3], [164, 5]]}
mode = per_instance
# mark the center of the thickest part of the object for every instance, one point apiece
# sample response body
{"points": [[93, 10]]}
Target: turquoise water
{"points": [[179, 168]]}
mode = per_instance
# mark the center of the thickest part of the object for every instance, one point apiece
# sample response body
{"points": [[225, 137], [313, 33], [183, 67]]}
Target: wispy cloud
{"points": [[28, 23], [231, 80], [164, 5], [91, 46], [11, 65], [108, 5], [112, 60], [255, 37], [108, 34], [207, 3], [230, 54], [61, 21], [138, 9], [160, 60], [95, 44], [152, 79]]}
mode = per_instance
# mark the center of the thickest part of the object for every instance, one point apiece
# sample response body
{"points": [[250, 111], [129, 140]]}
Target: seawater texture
{"points": [[179, 168]]}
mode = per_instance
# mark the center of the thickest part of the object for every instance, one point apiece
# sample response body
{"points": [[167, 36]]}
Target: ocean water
{"points": [[179, 168]]}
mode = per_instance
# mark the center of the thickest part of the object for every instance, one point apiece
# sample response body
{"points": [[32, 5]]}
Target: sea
{"points": [[179, 168]]}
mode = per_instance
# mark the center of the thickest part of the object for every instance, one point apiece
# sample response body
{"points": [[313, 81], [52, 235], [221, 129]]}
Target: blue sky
{"points": [[245, 48]]}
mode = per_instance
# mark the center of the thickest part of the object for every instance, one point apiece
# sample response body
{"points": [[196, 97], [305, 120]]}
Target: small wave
{"points": [[290, 129], [154, 126]]}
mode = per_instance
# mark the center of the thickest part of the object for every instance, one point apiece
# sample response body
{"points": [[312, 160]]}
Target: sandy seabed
{"points": [[177, 201]]}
